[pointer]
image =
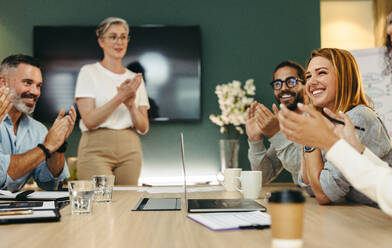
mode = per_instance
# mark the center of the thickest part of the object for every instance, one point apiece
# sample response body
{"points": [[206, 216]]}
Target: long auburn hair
{"points": [[349, 87]]}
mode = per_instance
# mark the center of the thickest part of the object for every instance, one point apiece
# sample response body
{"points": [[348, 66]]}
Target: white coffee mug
{"points": [[229, 175], [251, 182]]}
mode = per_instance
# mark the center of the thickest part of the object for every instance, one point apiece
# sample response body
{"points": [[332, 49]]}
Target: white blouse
{"points": [[95, 81]]}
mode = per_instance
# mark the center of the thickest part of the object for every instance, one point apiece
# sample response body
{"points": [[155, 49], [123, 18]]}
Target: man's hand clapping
{"points": [[5, 101], [269, 122], [261, 121], [61, 129], [253, 129]]}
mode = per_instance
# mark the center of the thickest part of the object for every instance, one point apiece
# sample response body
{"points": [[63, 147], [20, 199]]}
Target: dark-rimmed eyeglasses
{"points": [[290, 82]]}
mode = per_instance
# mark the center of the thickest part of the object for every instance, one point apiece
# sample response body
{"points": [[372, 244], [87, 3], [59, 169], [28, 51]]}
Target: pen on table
{"points": [[146, 185], [339, 121], [16, 212], [254, 227]]}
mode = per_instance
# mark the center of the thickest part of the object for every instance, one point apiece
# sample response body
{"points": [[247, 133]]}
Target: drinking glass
{"points": [[81, 195], [103, 187]]}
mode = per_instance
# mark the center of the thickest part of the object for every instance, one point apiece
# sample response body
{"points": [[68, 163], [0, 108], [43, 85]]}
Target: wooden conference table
{"points": [[115, 225]]}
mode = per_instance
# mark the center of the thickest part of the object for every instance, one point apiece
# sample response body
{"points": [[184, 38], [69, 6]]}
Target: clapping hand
{"points": [[261, 121], [346, 131], [253, 129], [5, 101], [60, 130], [312, 129], [71, 121], [128, 89], [268, 121]]}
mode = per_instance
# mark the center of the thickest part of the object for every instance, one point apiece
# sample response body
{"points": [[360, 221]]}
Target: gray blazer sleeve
{"points": [[375, 137], [288, 152], [264, 160], [282, 153]]}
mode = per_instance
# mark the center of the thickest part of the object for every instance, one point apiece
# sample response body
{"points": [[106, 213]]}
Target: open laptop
{"points": [[215, 205]]}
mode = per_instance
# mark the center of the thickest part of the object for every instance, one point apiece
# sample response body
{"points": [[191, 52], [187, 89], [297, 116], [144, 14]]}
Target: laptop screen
{"points": [[215, 205], [183, 168]]}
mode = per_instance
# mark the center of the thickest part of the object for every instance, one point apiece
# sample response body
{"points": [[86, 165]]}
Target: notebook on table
{"points": [[28, 212], [215, 205], [31, 195], [29, 216]]}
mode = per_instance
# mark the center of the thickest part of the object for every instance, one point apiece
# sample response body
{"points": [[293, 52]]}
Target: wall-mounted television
{"points": [[168, 56]]}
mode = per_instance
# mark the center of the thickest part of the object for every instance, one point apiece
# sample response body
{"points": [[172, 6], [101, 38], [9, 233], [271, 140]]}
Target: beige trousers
{"points": [[110, 152]]}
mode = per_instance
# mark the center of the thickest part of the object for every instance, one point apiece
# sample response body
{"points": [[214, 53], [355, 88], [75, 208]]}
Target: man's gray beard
{"points": [[19, 105]]}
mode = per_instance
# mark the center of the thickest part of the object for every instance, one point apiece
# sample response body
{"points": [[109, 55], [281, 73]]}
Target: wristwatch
{"points": [[309, 148], [45, 150]]}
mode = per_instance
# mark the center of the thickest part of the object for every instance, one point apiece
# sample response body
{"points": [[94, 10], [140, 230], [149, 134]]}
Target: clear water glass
{"points": [[81, 195], [103, 187]]}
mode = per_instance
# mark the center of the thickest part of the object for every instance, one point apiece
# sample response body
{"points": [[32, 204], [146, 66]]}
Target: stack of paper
{"points": [[233, 221]]}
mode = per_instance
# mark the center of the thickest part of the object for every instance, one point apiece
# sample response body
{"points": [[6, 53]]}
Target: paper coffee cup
{"points": [[287, 213]]}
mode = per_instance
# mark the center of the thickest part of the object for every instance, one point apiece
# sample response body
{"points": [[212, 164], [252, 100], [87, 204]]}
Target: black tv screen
{"points": [[168, 56]]}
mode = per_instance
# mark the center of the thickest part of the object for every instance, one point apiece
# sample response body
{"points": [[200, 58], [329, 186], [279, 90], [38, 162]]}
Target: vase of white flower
{"points": [[229, 153], [234, 101]]}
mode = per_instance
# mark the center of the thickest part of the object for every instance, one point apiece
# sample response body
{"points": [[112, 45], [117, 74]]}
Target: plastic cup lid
{"points": [[287, 196]]}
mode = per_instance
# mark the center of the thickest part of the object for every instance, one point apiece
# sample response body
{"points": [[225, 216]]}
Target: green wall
{"points": [[240, 40]]}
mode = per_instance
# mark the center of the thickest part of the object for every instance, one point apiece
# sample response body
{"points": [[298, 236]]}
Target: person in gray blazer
{"points": [[333, 81]]}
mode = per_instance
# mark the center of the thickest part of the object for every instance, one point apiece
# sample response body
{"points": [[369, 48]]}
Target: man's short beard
{"points": [[294, 105], [19, 105], [298, 98]]}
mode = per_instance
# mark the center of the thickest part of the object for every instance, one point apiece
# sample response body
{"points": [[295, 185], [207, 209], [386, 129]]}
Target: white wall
{"points": [[347, 24]]}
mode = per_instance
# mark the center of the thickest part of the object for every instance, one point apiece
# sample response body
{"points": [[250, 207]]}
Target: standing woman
{"points": [[113, 104], [333, 81]]}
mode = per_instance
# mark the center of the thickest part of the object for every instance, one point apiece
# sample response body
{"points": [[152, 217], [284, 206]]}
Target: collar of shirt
{"points": [[23, 129]]}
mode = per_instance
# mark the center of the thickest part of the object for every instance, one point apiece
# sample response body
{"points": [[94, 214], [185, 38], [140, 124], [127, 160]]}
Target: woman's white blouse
{"points": [[95, 81]]}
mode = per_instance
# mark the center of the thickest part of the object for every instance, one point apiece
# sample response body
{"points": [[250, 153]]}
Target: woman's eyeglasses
{"points": [[290, 82], [114, 38]]}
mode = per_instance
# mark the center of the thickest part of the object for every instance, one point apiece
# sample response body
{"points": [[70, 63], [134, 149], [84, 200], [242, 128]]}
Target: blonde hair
{"points": [[349, 87], [105, 24]]}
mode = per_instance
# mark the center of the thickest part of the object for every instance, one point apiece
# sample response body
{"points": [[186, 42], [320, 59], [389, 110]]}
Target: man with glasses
{"points": [[27, 148], [289, 89]]}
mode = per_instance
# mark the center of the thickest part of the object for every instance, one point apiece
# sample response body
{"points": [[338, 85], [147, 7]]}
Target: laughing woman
{"points": [[113, 104], [333, 81]]}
